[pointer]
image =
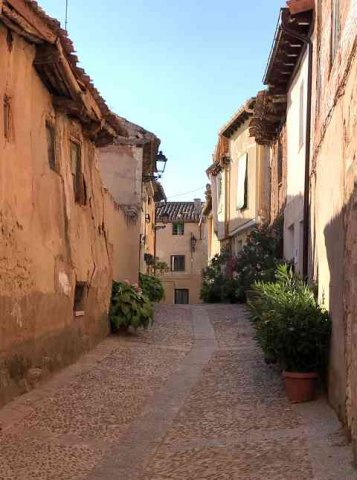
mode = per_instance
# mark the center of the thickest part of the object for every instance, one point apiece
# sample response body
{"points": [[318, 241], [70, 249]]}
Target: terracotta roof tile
{"points": [[179, 211], [69, 51]]}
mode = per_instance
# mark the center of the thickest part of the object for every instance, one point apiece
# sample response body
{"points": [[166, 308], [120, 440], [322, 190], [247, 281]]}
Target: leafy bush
{"points": [[259, 258], [290, 326], [129, 307], [152, 287], [229, 278], [217, 284]]}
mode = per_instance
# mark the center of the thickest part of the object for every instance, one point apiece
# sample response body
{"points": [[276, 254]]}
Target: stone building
{"points": [[333, 192], [128, 167], [55, 261], [240, 181], [312, 82], [181, 243]]}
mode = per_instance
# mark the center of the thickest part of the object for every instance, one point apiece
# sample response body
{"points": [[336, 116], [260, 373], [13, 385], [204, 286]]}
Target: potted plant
{"points": [[292, 329], [129, 308]]}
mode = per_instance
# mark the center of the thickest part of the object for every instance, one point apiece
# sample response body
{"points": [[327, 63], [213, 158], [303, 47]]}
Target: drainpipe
{"points": [[307, 41]]}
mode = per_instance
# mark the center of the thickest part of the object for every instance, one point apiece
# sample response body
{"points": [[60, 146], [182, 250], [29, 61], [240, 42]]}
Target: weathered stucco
{"points": [[333, 199], [48, 242]]}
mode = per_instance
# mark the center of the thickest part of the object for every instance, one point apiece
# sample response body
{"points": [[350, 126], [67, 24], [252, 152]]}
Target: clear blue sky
{"points": [[179, 68]]}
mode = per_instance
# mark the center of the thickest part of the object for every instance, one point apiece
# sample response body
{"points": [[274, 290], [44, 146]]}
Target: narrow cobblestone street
{"points": [[189, 399]]}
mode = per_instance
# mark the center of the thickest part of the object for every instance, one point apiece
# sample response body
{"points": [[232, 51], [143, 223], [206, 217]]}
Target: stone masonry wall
{"points": [[333, 198]]}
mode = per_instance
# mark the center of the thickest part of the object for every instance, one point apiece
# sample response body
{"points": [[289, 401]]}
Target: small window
{"points": [[280, 162], [7, 117], [181, 296], [242, 184], [178, 228], [177, 263], [79, 186], [51, 145], [301, 117], [79, 298]]}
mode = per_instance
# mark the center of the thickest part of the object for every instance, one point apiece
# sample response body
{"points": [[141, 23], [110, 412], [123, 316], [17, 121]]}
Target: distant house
{"points": [[128, 167], [181, 242], [240, 181]]}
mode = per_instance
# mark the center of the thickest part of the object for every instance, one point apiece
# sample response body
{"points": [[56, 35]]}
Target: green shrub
{"points": [[217, 284], [152, 287], [258, 259], [129, 307], [291, 327], [229, 278]]}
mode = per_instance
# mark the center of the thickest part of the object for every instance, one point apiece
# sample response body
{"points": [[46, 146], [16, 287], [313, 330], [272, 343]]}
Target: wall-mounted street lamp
{"points": [[193, 242], [161, 161], [160, 166]]}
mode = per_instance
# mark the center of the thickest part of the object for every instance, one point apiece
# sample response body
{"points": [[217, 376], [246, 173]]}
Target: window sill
{"points": [[79, 313]]}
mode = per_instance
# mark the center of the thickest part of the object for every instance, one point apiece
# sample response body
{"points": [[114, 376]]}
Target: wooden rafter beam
{"points": [[30, 16]]}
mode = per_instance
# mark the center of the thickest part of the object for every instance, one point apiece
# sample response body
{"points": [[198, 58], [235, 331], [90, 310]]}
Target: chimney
{"points": [[198, 205]]}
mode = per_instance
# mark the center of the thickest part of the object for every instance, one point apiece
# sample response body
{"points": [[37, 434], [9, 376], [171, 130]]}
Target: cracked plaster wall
{"points": [[47, 241]]}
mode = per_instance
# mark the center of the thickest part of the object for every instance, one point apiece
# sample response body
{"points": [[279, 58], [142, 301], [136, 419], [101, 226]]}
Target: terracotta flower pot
{"points": [[300, 387]]}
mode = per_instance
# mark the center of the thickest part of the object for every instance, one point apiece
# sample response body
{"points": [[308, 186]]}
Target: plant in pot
{"points": [[129, 308], [293, 330]]}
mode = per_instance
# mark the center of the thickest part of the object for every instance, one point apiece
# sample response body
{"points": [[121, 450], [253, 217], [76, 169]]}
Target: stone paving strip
{"points": [[191, 399]]}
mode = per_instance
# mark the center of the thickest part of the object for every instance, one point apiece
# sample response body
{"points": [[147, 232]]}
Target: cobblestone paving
{"points": [[62, 430], [191, 399]]}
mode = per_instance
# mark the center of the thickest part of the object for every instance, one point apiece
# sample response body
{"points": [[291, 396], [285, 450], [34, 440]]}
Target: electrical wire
{"points": [[186, 193]]}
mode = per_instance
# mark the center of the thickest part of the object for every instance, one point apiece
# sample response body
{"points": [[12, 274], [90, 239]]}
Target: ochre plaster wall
{"points": [[168, 244], [47, 241]]}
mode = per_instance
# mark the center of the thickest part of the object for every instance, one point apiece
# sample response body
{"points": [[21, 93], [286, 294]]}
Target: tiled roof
{"points": [[238, 118], [136, 135], [53, 33], [179, 211]]}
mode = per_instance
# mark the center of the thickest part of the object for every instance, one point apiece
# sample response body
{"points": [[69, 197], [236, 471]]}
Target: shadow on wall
{"points": [[340, 241]]}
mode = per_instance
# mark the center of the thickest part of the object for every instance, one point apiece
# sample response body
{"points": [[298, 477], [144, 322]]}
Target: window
{"points": [[301, 116], [177, 263], [181, 296], [80, 293], [7, 117], [178, 228], [79, 186], [242, 184], [335, 28], [280, 162], [219, 183], [51, 145]]}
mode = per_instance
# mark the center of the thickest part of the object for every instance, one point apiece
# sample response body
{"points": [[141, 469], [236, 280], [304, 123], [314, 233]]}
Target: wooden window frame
{"points": [[244, 206], [7, 119], [280, 160], [80, 297], [79, 185], [173, 266], [51, 145], [187, 291], [335, 39], [178, 228]]}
